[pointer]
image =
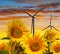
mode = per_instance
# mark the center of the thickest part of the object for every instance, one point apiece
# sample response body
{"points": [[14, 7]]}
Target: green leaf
{"points": [[14, 51], [4, 52], [6, 38]]}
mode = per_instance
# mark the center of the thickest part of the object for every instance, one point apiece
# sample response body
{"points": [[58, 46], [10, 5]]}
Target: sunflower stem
{"points": [[48, 47]]}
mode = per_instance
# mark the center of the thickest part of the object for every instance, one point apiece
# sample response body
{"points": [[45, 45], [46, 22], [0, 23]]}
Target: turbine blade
{"points": [[46, 27], [55, 28], [38, 11], [28, 13]]}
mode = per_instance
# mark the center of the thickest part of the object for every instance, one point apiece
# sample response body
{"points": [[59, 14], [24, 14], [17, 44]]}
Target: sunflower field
{"points": [[19, 39]]}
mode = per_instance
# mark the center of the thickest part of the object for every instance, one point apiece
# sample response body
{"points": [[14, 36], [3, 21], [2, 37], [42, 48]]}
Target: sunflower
{"points": [[50, 35], [35, 45], [11, 45], [16, 29], [2, 47], [10, 49], [55, 47]]}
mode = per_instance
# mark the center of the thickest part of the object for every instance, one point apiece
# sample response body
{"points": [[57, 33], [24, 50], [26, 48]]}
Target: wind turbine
{"points": [[50, 25], [33, 19]]}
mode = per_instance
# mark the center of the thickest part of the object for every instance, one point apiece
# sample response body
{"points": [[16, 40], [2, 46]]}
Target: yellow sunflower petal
{"points": [[55, 47], [35, 45], [50, 35], [16, 28], [2, 47]]}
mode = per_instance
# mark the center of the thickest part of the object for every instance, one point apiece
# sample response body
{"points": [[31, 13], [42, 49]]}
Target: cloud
{"points": [[20, 11], [36, 1], [53, 5]]}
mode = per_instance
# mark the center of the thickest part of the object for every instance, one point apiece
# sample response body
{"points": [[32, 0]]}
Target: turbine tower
{"points": [[33, 19]]}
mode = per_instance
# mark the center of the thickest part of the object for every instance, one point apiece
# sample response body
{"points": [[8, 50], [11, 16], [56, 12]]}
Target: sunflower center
{"points": [[16, 32], [49, 36], [57, 49], [35, 46]]}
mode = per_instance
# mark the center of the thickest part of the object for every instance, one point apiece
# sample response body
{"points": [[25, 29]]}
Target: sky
{"points": [[43, 17], [13, 3], [30, 3], [26, 2]]}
